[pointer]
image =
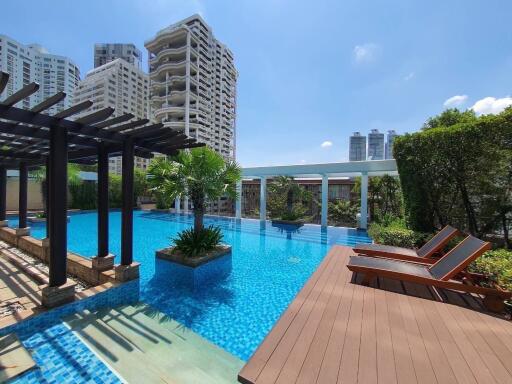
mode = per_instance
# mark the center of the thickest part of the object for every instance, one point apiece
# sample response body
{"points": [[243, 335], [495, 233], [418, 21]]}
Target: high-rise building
{"points": [[119, 85], [389, 143], [107, 52], [375, 145], [357, 148], [193, 84], [33, 63]]}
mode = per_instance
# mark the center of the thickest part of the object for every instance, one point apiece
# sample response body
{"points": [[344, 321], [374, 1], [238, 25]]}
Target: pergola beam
{"points": [[23, 93]]}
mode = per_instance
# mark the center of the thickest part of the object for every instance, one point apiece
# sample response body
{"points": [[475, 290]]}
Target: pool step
{"points": [[143, 345], [14, 358]]}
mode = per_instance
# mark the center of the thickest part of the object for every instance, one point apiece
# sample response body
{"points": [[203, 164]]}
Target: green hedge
{"points": [[496, 265], [396, 234], [83, 195], [459, 174]]}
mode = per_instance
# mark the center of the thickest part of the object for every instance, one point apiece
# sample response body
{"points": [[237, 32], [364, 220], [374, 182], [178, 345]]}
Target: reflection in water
{"points": [[289, 229]]}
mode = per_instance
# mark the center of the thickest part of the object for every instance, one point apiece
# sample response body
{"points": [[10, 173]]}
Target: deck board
{"points": [[338, 331]]}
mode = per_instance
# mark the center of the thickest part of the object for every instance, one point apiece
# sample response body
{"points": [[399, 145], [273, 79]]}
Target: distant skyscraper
{"points": [[357, 149], [375, 145], [107, 52], [119, 85], [389, 144], [193, 83], [33, 63]]}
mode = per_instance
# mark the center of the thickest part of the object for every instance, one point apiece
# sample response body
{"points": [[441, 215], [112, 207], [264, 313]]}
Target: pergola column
{"points": [[263, 198], [363, 223], [177, 205], [3, 196], [47, 197], [103, 260], [325, 200], [22, 229], [238, 203], [185, 204], [127, 270], [59, 290]]}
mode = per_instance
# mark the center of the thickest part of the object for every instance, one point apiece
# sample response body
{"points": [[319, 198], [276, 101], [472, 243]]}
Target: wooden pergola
{"points": [[31, 138]]}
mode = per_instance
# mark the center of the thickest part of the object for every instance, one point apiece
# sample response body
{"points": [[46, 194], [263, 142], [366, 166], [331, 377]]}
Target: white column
{"points": [[177, 204], [238, 204], [185, 204], [364, 201], [263, 198], [325, 200]]}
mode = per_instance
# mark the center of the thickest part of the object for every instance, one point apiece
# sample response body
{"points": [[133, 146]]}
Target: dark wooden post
{"points": [[3, 194], [48, 183], [127, 207], [102, 200], [58, 204], [22, 206]]}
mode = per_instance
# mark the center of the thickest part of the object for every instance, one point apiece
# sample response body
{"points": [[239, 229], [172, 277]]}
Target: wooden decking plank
{"points": [[315, 355], [368, 350], [475, 332], [385, 356], [422, 366], [296, 357], [498, 327], [349, 364], [469, 352], [250, 372], [273, 367], [438, 359]]}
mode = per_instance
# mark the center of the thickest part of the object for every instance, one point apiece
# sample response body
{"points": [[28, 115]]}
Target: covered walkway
{"points": [[324, 171]]}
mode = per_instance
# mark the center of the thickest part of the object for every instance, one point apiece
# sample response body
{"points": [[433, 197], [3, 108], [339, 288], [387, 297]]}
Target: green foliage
{"points": [[200, 173], [459, 174], [287, 200], [194, 243], [384, 196], [496, 265], [83, 195], [450, 117], [115, 191], [394, 232], [343, 213]]}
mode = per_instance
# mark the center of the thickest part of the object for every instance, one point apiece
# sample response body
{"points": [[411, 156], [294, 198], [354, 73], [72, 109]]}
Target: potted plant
{"points": [[202, 174]]}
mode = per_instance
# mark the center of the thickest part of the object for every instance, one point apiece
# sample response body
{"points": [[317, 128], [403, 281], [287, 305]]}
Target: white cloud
{"points": [[455, 101], [409, 76], [366, 53], [491, 105], [326, 144]]}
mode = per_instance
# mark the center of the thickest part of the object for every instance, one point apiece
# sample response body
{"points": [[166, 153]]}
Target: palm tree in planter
{"points": [[203, 175], [287, 201]]}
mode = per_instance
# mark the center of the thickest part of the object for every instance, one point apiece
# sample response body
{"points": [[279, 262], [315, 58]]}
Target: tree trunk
{"points": [[289, 201], [198, 213]]}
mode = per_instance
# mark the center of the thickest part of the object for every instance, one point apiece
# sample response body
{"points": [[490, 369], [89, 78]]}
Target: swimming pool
{"points": [[236, 308]]}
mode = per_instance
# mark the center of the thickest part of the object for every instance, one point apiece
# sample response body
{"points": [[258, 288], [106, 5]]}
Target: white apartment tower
{"points": [[121, 86], [375, 145], [357, 147], [193, 84], [33, 63], [389, 143], [107, 52]]}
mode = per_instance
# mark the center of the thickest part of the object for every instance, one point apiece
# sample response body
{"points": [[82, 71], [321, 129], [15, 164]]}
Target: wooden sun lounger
{"points": [[439, 274], [422, 255]]}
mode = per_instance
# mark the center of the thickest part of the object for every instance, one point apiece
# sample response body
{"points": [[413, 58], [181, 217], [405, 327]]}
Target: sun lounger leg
{"points": [[494, 303], [367, 278]]}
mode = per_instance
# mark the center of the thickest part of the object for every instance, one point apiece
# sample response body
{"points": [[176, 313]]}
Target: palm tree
{"points": [[200, 173]]}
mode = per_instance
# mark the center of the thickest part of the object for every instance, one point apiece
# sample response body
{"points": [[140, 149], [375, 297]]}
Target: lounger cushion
{"points": [[384, 250], [390, 265]]}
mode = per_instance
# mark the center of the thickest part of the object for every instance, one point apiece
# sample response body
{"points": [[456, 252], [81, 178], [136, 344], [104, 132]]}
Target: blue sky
{"points": [[310, 72]]}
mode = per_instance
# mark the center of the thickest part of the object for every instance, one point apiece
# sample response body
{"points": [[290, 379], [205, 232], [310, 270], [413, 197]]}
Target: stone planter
{"points": [[192, 262]]}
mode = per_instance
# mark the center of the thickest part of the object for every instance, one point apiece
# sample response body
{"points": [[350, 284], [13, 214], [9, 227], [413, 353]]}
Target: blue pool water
{"points": [[235, 305]]}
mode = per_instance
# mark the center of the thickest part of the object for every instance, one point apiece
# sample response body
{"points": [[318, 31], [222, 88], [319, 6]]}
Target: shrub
{"points": [[496, 265], [343, 212], [83, 195], [395, 233], [194, 243]]}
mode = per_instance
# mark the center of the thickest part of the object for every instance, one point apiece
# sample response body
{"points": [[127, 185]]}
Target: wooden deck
{"points": [[337, 331]]}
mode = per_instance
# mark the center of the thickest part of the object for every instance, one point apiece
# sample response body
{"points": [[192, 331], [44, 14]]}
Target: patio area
{"points": [[337, 330]]}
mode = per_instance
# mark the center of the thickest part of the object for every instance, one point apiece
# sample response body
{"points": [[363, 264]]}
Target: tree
{"points": [[343, 212], [287, 199], [200, 173], [450, 117]]}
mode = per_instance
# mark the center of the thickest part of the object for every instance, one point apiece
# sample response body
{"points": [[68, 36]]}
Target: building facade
{"points": [[122, 86], [357, 147], [193, 84], [33, 63], [389, 143], [106, 52], [375, 145]]}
